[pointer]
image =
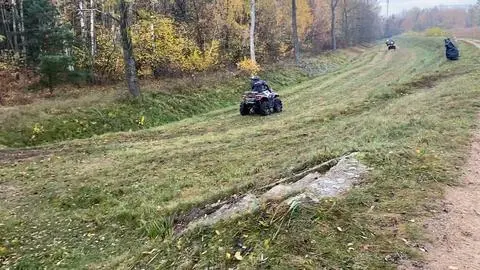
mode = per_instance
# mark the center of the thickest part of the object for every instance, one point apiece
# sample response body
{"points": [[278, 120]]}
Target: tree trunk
{"points": [[83, 28], [8, 33], [345, 23], [92, 29], [128, 56], [14, 26], [252, 31], [200, 36], [296, 45], [22, 28], [333, 7]]}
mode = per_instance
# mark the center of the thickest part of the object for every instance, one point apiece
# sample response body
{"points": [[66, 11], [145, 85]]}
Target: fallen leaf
{"points": [[238, 256], [266, 243]]}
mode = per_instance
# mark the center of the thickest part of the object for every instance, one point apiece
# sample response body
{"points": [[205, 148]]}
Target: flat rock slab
{"points": [[340, 178], [248, 204], [312, 188]]}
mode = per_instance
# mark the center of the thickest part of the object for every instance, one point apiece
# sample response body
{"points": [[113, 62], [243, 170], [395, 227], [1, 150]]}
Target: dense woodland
{"points": [[108, 40]]}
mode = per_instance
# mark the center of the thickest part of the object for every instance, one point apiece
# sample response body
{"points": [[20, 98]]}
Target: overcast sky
{"points": [[397, 6]]}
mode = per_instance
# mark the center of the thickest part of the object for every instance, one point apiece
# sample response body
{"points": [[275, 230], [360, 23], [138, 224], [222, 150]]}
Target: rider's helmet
{"points": [[254, 80]]}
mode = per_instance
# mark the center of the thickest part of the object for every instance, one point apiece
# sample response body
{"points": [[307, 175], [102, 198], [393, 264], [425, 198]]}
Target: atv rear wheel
{"points": [[277, 105], [244, 109], [262, 108]]}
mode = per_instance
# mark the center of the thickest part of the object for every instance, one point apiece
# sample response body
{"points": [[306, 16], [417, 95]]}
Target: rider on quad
{"points": [[391, 44], [260, 99], [259, 85]]}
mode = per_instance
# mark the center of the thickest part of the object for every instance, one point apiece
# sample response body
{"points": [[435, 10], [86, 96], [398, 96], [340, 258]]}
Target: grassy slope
{"points": [[98, 111], [101, 202]]}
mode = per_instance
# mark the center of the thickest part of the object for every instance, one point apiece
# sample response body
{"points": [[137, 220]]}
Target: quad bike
{"points": [[391, 45], [263, 103]]}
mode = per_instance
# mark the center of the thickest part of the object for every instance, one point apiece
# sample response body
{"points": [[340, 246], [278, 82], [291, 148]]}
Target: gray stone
{"points": [[340, 178], [311, 188], [248, 204]]}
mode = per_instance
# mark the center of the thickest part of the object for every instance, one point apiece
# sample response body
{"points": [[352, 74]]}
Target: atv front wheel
{"points": [[244, 109], [277, 105], [262, 108]]}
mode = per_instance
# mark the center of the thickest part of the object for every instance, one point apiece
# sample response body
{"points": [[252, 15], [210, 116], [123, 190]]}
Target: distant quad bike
{"points": [[261, 102], [391, 45]]}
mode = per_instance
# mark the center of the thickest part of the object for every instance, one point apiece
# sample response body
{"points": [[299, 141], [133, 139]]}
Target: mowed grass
{"points": [[110, 201], [101, 109]]}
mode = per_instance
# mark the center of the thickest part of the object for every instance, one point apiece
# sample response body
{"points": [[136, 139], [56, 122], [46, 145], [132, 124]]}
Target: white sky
{"points": [[397, 6]]}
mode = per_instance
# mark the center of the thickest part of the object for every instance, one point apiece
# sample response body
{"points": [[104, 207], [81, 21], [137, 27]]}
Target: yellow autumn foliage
{"points": [[108, 61], [160, 43], [436, 32], [248, 67]]}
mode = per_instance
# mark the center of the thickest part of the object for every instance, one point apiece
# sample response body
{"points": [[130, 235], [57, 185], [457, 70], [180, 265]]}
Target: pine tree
{"points": [[44, 33], [48, 42]]}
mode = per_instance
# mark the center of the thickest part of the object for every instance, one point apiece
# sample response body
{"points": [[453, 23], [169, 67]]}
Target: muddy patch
{"points": [[14, 156], [428, 81]]}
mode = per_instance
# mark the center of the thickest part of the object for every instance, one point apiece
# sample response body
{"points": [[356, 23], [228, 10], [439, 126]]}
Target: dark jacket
{"points": [[260, 86], [451, 51]]}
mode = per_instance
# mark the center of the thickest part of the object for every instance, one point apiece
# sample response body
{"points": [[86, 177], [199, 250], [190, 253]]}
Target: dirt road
{"points": [[456, 233], [473, 42]]}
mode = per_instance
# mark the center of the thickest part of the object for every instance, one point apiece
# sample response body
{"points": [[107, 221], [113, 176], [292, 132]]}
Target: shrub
{"points": [[108, 63], [10, 60], [249, 67], [436, 32], [54, 69], [198, 61]]}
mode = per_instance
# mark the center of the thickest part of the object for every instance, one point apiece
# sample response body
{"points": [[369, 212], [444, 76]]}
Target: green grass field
{"points": [[110, 201], [101, 109]]}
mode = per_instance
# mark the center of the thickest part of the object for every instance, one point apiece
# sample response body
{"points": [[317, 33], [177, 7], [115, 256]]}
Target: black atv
{"points": [[263, 103], [391, 45]]}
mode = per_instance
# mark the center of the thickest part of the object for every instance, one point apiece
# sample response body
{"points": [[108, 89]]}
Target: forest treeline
{"points": [[107, 40], [444, 17]]}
